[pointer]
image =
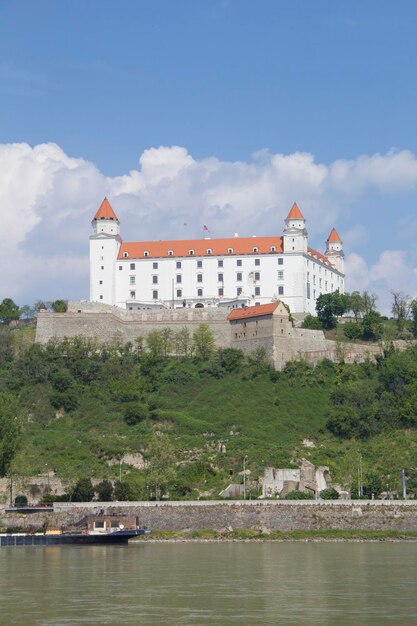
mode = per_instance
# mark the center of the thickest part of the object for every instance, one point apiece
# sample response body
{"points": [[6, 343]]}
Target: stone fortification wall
{"points": [[265, 515], [108, 323]]}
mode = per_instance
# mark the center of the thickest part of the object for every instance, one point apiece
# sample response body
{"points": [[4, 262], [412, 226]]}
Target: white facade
{"points": [[212, 272]]}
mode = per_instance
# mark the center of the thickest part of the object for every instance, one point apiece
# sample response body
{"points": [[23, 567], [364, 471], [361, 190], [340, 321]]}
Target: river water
{"points": [[210, 584]]}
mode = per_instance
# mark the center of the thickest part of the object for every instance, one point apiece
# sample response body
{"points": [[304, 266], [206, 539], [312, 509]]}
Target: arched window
{"points": [[191, 252], [125, 254], [273, 249], [229, 250], [170, 252], [209, 251], [255, 250], [146, 253]]}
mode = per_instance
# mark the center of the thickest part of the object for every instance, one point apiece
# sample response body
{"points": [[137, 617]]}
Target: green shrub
{"points": [[105, 491], [20, 501], [66, 400], [135, 413], [352, 330], [329, 494], [311, 322], [299, 495], [83, 491]]}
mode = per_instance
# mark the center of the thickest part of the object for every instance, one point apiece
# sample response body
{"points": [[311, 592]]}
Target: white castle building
{"points": [[235, 272]]}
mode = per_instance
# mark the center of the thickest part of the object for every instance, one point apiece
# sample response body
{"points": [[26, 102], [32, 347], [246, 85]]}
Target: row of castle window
{"points": [[220, 292], [220, 278]]}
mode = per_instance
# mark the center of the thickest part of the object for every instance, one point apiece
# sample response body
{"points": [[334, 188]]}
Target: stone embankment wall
{"points": [[262, 515]]}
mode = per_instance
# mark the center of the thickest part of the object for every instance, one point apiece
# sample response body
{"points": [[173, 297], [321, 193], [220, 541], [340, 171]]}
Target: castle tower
{"points": [[334, 250], [295, 232], [105, 242]]}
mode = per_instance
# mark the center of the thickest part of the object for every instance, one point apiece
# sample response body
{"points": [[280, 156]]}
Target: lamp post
{"points": [[245, 458], [120, 470], [47, 470]]}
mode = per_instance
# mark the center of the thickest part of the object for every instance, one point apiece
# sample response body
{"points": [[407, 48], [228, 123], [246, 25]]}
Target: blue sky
{"points": [[88, 88]]}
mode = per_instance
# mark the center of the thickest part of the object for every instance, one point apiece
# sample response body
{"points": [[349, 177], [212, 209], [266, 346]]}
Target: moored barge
{"points": [[91, 530]]}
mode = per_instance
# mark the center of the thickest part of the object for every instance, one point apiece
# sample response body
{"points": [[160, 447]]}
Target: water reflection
{"points": [[210, 584]]}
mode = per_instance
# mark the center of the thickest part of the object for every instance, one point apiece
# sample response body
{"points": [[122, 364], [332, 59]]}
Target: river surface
{"points": [[210, 584]]}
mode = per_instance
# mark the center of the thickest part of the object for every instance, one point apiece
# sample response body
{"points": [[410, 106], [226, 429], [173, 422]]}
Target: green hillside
{"points": [[76, 409]]}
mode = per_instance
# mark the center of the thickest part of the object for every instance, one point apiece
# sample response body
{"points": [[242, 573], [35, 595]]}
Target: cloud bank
{"points": [[47, 200]]}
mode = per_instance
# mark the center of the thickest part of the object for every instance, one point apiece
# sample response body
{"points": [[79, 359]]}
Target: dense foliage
{"points": [[80, 407]]}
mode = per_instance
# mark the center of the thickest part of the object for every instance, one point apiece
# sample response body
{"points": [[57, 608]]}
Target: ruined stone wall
{"points": [[266, 515]]}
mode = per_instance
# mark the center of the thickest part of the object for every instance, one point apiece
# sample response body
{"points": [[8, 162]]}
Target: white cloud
{"points": [[391, 272], [47, 200]]}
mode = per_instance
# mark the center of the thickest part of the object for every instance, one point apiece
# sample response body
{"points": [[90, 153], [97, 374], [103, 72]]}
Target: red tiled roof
{"points": [[334, 237], [321, 257], [295, 213], [252, 311], [105, 212], [219, 247]]}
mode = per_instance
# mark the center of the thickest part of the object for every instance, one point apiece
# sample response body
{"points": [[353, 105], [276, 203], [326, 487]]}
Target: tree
{"points": [[8, 311], [6, 350], [105, 491], [203, 342], [11, 422], [167, 336], [372, 327], [414, 317], [369, 300], [155, 344], [356, 304], [59, 306], [122, 491], [401, 306], [161, 464], [83, 491], [182, 342], [299, 495], [331, 305]]}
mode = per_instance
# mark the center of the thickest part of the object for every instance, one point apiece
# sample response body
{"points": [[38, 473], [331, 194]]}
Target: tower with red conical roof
{"points": [[105, 243], [295, 232], [334, 250]]}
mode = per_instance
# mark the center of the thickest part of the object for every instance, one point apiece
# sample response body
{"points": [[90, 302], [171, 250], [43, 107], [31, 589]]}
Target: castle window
{"points": [[257, 261], [257, 291], [133, 294], [199, 278], [273, 249], [120, 267], [255, 250], [179, 278], [170, 252], [280, 290], [239, 291], [101, 297], [199, 264], [146, 253], [280, 261], [191, 252], [155, 266], [209, 251], [239, 262], [281, 275], [220, 263], [199, 292], [325, 285], [102, 267], [178, 265], [257, 275], [155, 295], [132, 280], [100, 282], [229, 250], [179, 293], [220, 278], [132, 266], [154, 280], [220, 291], [239, 276], [125, 254]]}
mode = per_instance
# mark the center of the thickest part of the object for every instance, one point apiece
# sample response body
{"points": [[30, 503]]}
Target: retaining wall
{"points": [[263, 515]]}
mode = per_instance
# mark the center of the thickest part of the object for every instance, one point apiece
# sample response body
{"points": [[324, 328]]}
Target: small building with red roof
{"points": [[231, 272]]}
